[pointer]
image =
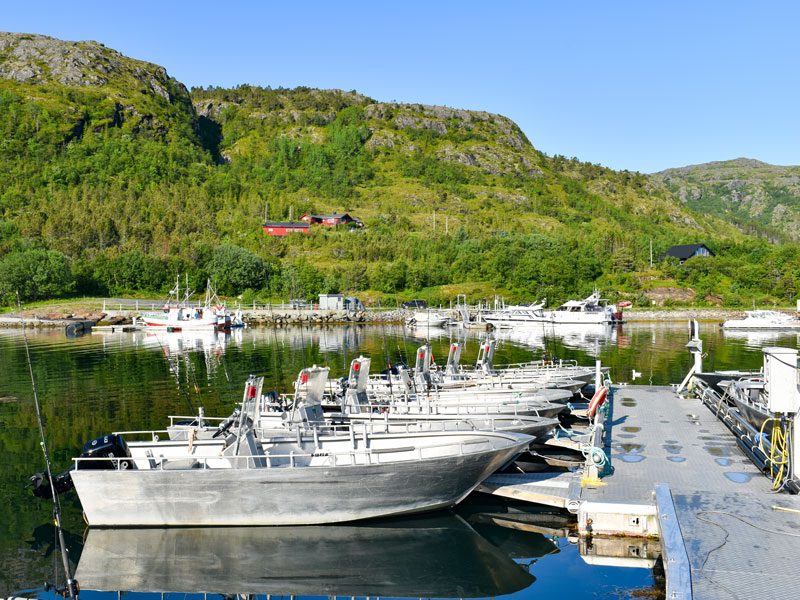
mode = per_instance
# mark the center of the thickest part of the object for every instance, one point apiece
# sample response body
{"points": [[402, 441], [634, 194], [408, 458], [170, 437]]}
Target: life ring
{"points": [[597, 401]]}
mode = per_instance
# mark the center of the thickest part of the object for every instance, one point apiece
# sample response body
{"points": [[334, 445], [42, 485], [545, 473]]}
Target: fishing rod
{"points": [[71, 586], [388, 360], [276, 360]]}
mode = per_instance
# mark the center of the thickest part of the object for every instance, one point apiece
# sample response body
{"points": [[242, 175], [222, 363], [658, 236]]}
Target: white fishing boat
{"points": [[177, 314], [426, 318], [763, 320], [591, 310], [390, 412], [297, 478], [516, 315], [484, 377]]}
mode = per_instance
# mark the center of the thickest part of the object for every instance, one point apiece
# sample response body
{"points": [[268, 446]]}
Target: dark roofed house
{"points": [[687, 251], [334, 219]]}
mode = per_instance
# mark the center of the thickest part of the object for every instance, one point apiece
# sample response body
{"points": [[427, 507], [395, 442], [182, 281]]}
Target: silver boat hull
{"points": [[284, 495]]}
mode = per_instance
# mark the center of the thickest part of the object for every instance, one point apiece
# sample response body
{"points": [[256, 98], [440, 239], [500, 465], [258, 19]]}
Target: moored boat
{"points": [[236, 477], [763, 320], [178, 315], [590, 310]]}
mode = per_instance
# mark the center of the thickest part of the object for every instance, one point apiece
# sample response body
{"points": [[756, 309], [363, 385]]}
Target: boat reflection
{"points": [[758, 339], [516, 539], [439, 556], [582, 337]]}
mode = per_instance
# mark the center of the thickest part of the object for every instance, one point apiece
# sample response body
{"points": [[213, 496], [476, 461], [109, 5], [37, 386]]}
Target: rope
{"points": [[779, 452], [597, 457]]}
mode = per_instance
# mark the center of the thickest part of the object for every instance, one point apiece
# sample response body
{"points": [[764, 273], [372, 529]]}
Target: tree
{"points": [[36, 274], [234, 269]]}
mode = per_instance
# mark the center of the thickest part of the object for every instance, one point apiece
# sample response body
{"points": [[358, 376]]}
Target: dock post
{"points": [[598, 375], [695, 347]]}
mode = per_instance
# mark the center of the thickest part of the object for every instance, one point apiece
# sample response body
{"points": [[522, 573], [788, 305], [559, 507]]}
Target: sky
{"points": [[642, 86]]}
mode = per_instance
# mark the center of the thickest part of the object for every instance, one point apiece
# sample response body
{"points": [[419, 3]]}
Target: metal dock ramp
{"points": [[714, 506], [561, 490], [680, 475]]}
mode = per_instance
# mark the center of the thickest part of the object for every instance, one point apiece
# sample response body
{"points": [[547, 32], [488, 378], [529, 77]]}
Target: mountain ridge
{"points": [[127, 182], [741, 188]]}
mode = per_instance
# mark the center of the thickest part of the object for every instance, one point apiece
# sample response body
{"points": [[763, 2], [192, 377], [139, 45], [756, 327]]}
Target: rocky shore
{"points": [[66, 316]]}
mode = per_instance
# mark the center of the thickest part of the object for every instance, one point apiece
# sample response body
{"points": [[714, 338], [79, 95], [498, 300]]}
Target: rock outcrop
{"points": [[36, 59]]}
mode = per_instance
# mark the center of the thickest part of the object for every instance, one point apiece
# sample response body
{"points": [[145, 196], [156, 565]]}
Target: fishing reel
{"points": [[70, 589]]}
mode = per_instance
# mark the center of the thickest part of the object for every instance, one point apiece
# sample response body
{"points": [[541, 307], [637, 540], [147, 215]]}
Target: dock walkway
{"points": [[738, 545]]}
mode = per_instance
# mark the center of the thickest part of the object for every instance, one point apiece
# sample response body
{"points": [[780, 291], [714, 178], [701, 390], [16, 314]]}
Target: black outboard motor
{"points": [[41, 484], [112, 447]]}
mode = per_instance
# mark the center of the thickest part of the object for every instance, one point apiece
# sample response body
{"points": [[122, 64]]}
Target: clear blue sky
{"points": [[630, 85]]}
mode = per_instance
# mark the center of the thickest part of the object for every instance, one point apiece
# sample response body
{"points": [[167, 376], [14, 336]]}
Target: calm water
{"points": [[99, 383]]}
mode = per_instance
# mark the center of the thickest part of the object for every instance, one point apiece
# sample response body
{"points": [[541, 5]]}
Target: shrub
{"points": [[35, 274]]}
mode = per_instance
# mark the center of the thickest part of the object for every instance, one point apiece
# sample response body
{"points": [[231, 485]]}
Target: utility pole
{"points": [[651, 253], [266, 205], [446, 230], [290, 213]]}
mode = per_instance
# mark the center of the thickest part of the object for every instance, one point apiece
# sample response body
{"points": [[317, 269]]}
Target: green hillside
{"points": [[116, 178], [750, 193]]}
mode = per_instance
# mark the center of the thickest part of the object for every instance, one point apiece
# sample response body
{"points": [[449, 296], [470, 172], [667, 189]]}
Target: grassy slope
{"points": [[97, 171]]}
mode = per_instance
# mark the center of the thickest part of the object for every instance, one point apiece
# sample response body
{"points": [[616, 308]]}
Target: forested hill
{"points": [[743, 189], [115, 178]]}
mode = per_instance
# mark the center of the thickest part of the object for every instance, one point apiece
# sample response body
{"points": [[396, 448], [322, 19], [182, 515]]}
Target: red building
{"points": [[281, 229]]}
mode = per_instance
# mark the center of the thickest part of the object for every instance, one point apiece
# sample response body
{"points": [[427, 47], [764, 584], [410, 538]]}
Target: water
{"points": [[99, 383]]}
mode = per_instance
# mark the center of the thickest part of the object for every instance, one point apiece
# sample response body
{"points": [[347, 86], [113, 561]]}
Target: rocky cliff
{"points": [[134, 88], [744, 189]]}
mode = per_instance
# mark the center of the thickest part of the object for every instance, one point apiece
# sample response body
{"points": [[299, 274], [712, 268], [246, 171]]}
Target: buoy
{"points": [[597, 401]]}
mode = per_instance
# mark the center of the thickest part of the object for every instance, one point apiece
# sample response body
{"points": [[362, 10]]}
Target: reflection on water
{"points": [[759, 339], [438, 556], [103, 382]]}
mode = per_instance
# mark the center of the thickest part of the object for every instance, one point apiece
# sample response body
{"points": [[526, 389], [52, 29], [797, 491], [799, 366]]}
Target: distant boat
{"points": [[763, 319], [591, 310], [505, 317], [422, 318], [178, 315]]}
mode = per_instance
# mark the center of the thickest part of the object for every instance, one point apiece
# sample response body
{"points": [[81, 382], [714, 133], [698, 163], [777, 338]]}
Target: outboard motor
{"points": [[41, 484], [108, 446], [111, 446]]}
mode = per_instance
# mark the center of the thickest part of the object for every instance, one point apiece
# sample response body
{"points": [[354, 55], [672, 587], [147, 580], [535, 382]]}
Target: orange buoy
{"points": [[597, 401]]}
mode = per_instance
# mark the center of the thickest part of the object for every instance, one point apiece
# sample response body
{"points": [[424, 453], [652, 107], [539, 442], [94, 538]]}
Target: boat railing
{"points": [[293, 459], [542, 364]]}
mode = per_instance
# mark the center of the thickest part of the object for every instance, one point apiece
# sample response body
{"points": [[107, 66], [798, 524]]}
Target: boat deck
{"points": [[737, 544]]}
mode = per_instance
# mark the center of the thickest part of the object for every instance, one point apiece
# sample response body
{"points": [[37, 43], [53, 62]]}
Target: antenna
{"points": [[71, 585]]}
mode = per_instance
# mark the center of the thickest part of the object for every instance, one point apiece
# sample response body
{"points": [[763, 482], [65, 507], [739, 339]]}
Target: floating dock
{"points": [[677, 473]]}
